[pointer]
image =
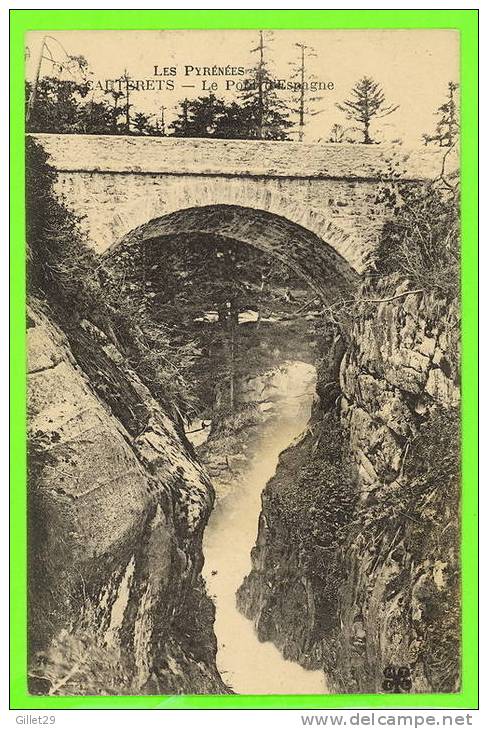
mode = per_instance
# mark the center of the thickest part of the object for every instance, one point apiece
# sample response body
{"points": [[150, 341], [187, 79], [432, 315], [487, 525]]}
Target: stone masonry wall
{"points": [[343, 214]]}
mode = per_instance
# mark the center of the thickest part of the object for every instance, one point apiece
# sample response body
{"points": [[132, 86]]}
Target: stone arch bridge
{"points": [[314, 206]]}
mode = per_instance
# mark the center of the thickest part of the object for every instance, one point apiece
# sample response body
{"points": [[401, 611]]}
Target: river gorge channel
{"points": [[247, 665]]}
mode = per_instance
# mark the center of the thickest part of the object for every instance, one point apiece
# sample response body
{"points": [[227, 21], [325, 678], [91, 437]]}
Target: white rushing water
{"points": [[247, 665]]}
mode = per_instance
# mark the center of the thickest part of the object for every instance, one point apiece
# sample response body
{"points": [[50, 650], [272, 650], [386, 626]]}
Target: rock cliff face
{"points": [[356, 563], [117, 507]]}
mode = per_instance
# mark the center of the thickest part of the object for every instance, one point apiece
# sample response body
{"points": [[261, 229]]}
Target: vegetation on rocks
{"points": [[421, 242], [314, 504], [317, 502]]}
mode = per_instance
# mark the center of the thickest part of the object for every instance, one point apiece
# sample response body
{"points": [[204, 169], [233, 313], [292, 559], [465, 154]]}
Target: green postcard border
{"points": [[466, 22]]}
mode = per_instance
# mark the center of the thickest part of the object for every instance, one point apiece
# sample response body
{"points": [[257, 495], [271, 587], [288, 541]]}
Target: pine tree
{"points": [[116, 111], [142, 124], [180, 126], [367, 102], [127, 106], [305, 105], [266, 113], [235, 122], [94, 117], [447, 129]]}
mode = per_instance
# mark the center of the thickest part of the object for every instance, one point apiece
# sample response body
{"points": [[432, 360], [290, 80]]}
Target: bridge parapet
{"points": [[172, 155]]}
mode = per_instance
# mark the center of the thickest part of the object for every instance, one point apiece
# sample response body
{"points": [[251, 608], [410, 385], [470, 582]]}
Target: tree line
{"points": [[65, 106]]}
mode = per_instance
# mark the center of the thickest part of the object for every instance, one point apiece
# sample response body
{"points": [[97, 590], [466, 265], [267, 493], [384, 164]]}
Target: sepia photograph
{"points": [[243, 341]]}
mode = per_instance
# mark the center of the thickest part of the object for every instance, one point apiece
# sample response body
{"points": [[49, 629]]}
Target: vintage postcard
{"points": [[244, 370]]}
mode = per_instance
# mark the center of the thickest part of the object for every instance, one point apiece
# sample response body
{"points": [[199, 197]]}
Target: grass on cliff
{"points": [[420, 242], [432, 468], [418, 249]]}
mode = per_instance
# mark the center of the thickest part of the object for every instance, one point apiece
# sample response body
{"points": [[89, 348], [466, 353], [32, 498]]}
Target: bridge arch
{"points": [[315, 260], [262, 195]]}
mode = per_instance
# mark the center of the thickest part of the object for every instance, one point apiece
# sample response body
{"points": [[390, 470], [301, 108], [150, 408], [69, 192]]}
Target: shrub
{"points": [[61, 268], [421, 241]]}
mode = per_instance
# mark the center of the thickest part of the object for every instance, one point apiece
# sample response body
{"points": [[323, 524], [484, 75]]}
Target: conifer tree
{"points": [[305, 102], [116, 111], [366, 103], [266, 113], [447, 129], [199, 118]]}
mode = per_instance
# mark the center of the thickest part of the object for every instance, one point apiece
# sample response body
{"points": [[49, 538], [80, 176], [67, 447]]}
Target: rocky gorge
{"points": [[355, 568], [354, 576]]}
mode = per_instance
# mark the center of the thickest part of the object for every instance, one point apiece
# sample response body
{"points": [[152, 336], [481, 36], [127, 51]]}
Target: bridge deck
{"points": [[170, 155]]}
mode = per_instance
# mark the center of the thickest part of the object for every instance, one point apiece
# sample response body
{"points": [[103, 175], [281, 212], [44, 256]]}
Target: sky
{"points": [[412, 66]]}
